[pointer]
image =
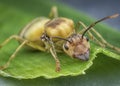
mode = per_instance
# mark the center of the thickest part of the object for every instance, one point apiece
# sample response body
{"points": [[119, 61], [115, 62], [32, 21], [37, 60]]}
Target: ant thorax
{"points": [[59, 27], [77, 47]]}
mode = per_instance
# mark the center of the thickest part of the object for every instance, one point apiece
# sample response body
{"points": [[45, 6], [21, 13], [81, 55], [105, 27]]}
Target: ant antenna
{"points": [[62, 39], [93, 24]]}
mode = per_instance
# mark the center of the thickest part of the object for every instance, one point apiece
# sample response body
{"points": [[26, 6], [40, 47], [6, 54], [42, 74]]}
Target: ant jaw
{"points": [[83, 57]]}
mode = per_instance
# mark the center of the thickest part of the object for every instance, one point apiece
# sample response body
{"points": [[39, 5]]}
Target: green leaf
{"points": [[30, 64]]}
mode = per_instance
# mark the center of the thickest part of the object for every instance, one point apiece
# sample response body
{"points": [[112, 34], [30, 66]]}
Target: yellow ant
{"points": [[57, 34]]}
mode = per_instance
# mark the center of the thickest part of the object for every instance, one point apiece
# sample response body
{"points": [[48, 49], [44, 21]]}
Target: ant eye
{"points": [[87, 38], [66, 47]]}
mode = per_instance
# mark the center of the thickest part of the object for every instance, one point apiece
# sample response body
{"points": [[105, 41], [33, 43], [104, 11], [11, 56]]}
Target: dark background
{"points": [[97, 9]]}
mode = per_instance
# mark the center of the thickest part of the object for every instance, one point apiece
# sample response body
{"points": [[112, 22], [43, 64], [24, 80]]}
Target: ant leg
{"points": [[13, 55], [9, 39], [105, 42], [56, 60], [49, 45], [54, 54], [53, 13], [90, 35]]}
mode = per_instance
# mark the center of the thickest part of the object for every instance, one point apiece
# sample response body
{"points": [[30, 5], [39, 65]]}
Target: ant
{"points": [[57, 34]]}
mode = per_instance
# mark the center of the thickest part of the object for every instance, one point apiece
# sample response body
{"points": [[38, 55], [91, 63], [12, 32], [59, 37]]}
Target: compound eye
{"points": [[66, 47]]}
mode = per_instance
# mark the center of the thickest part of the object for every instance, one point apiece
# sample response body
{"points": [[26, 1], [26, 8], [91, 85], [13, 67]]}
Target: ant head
{"points": [[77, 47]]}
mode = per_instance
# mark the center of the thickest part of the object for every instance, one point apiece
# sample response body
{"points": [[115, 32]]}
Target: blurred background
{"points": [[97, 9]]}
